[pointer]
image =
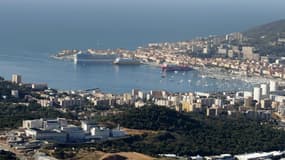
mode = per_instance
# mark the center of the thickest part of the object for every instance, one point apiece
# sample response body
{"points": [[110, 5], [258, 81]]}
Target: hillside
{"points": [[264, 38], [270, 31], [190, 134], [97, 155], [156, 118]]}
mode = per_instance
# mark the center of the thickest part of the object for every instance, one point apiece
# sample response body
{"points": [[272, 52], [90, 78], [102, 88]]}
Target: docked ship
{"points": [[96, 57], [172, 68], [126, 61]]}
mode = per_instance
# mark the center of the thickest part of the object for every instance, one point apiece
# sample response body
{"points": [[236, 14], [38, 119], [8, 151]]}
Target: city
{"points": [[264, 103], [142, 80], [232, 52]]}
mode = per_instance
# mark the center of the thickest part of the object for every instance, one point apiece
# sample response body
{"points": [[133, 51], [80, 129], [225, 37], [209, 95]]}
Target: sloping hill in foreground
{"points": [[192, 134], [188, 134]]}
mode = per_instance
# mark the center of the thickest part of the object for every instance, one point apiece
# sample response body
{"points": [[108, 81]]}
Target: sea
{"points": [[32, 30]]}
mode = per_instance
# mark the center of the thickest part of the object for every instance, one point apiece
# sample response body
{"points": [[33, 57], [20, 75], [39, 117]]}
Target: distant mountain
{"points": [[265, 37]]}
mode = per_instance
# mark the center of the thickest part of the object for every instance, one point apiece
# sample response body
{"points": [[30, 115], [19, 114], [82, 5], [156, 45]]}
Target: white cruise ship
{"points": [[97, 57]]}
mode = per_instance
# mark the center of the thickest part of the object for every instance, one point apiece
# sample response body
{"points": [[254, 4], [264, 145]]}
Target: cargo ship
{"points": [[126, 61], [172, 68], [96, 57]]}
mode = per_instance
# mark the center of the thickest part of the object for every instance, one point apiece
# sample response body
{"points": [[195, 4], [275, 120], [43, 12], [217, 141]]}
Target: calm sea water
{"points": [[32, 30]]}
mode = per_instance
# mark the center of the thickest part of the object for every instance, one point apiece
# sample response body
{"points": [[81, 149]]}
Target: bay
{"points": [[32, 30]]}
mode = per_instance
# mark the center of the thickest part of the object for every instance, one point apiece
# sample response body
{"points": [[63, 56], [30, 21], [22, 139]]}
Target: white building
{"points": [[16, 79], [278, 98], [218, 102], [222, 50], [15, 93], [135, 92], [69, 101], [100, 132], [173, 98], [266, 103], [205, 50], [273, 86], [86, 126], [54, 123], [139, 104], [45, 102], [74, 133], [37, 123], [162, 102], [48, 135], [247, 94], [257, 94], [202, 94], [148, 96], [264, 90], [248, 52], [141, 95], [39, 86]]}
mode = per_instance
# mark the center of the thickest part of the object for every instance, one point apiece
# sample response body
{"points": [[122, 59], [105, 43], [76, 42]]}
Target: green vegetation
{"points": [[265, 36], [155, 118], [268, 32], [60, 154], [11, 115], [191, 134], [5, 90], [4, 155]]}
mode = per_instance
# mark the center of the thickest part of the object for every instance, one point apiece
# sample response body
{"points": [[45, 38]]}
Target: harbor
{"points": [[209, 72], [65, 75]]}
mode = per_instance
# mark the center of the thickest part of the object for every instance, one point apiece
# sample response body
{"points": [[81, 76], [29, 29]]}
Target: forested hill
{"points": [[192, 134], [269, 32], [265, 38], [156, 118]]}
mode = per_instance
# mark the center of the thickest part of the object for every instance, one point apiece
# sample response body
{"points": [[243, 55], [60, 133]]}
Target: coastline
{"points": [[217, 73], [206, 72]]}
